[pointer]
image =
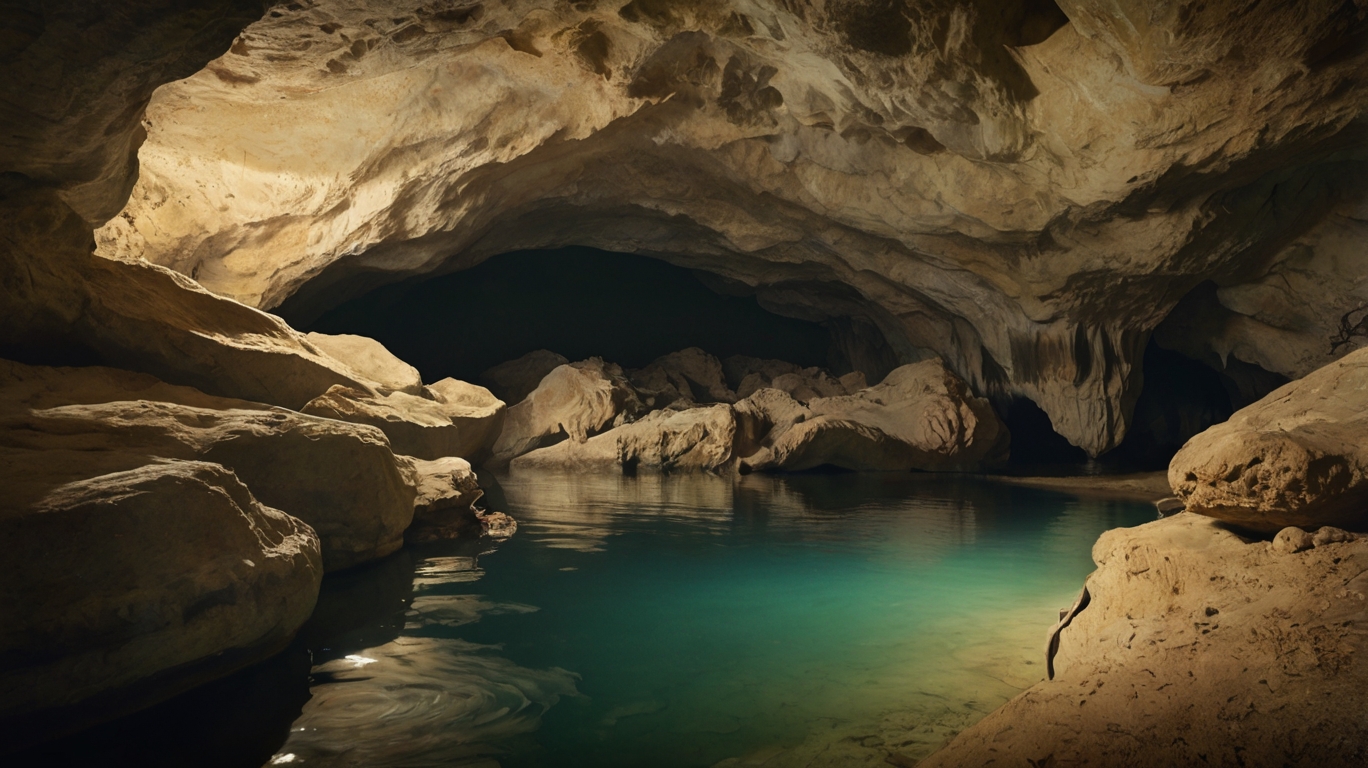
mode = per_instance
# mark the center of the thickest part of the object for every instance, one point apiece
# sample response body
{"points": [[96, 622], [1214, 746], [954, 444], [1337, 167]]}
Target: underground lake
{"points": [[819, 619]]}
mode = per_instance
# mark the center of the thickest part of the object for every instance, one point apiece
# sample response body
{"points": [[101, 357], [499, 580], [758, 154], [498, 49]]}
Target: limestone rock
{"points": [[689, 440], [445, 507], [1296, 457], [496, 525], [514, 380], [921, 416], [1291, 540], [687, 376], [340, 478], [452, 419], [1025, 196], [1197, 648], [574, 401], [371, 362], [171, 568]]}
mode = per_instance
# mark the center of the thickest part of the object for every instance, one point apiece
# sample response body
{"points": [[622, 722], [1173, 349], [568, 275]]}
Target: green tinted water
{"points": [[692, 621]]}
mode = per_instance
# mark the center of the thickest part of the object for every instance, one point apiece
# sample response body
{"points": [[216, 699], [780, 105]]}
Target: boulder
{"points": [[1197, 647], [688, 440], [340, 478], [369, 360], [687, 376], [514, 380], [574, 401], [920, 417], [1296, 457], [450, 418], [445, 506], [170, 572]]}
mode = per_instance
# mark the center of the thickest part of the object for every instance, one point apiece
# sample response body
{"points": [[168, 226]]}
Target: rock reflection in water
{"points": [[420, 701]]}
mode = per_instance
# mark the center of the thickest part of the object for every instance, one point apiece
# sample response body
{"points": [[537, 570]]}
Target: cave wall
{"points": [[1023, 189]]}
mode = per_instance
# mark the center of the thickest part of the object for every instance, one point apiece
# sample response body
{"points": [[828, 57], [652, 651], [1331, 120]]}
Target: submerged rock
{"points": [[171, 569], [514, 380], [1198, 648], [1297, 457]]}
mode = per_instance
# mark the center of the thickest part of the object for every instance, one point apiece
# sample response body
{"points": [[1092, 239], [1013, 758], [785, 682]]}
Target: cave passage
{"points": [[578, 302]]}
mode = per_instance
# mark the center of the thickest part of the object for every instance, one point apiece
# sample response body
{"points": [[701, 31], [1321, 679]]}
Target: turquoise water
{"points": [[696, 621]]}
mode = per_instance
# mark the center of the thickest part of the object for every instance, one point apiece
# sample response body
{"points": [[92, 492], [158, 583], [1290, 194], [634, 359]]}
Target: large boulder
{"points": [[688, 440], [340, 478], [514, 380], [1297, 457], [445, 507], [574, 401], [1196, 647], [450, 418], [920, 417], [687, 376], [170, 571], [369, 360]]}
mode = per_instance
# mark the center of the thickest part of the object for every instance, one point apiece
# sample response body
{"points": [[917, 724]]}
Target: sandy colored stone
{"points": [[514, 380], [1022, 189], [171, 567], [1197, 648], [921, 416], [1297, 457], [689, 440], [574, 402], [451, 418], [342, 479], [445, 507], [370, 361], [687, 376]]}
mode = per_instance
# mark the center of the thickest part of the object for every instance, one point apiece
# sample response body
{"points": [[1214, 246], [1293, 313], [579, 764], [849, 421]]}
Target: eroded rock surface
{"points": [[450, 418], [513, 380], [445, 507], [370, 361], [574, 402], [170, 568], [921, 416], [341, 479], [1197, 648], [1297, 457], [1023, 190], [687, 376]]}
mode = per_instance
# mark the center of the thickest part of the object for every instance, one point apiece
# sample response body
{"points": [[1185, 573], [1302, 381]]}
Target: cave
{"points": [[683, 384]]}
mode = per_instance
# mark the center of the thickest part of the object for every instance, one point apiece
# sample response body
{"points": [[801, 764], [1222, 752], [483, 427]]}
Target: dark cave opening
{"points": [[577, 302], [1179, 398]]}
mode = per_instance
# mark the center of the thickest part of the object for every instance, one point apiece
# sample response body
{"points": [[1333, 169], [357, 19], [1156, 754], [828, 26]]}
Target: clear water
{"points": [[697, 621]]}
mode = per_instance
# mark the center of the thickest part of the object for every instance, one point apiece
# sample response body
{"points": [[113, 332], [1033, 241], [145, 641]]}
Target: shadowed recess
{"points": [[578, 302]]}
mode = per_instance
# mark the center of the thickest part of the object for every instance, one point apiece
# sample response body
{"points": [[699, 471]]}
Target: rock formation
{"points": [[1197, 647], [171, 568], [514, 380], [445, 507], [1296, 458], [1024, 190], [574, 401], [921, 417]]}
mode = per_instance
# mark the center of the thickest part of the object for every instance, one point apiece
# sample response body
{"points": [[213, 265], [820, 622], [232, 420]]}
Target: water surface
{"points": [[696, 621]]}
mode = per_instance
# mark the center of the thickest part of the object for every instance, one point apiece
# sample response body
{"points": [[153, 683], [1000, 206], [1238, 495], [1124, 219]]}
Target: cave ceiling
{"points": [[1024, 189]]}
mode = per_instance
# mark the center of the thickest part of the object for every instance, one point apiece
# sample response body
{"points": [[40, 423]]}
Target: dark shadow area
{"points": [[578, 302], [241, 720], [1181, 397]]}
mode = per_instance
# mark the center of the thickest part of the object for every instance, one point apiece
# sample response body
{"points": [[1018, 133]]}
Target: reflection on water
{"points": [[698, 621], [823, 620]]}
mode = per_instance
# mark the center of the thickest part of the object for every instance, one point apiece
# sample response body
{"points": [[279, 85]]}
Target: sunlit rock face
{"points": [[1023, 189]]}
